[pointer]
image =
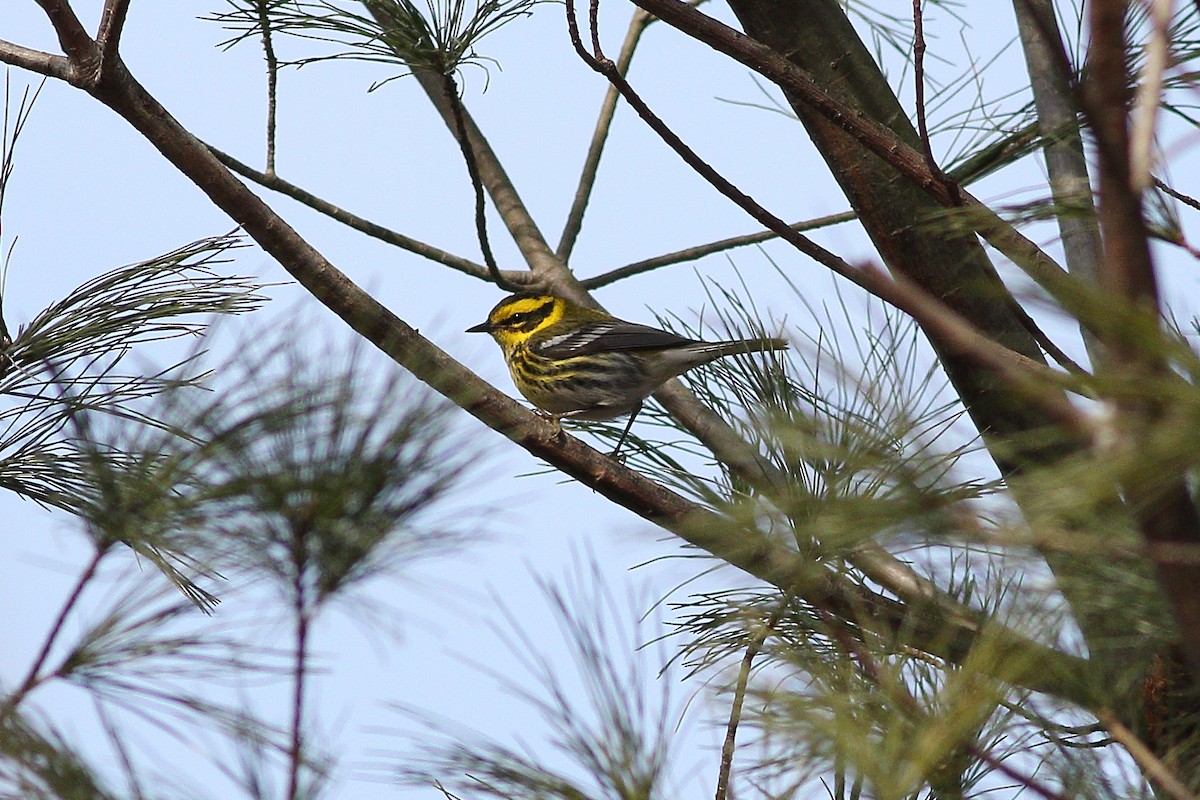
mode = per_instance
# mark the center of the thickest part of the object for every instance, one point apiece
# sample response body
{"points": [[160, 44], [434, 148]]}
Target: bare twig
{"points": [[108, 38], [729, 746], [591, 164], [372, 229], [264, 23], [33, 676], [48, 64], [702, 250], [546, 266], [1021, 778], [459, 129], [1187, 200], [919, 81], [72, 37]]}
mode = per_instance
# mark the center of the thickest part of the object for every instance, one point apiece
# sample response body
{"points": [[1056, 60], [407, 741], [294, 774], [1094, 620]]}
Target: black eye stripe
{"points": [[527, 319]]}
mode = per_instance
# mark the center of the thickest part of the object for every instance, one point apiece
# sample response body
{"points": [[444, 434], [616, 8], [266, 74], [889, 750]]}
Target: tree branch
{"points": [[112, 24], [374, 230], [268, 43], [702, 250], [1051, 79], [72, 37], [591, 164], [546, 266], [883, 143], [459, 129], [1159, 498], [48, 64]]}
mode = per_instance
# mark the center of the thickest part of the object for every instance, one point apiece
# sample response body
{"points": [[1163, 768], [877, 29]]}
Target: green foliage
{"points": [[440, 38]]}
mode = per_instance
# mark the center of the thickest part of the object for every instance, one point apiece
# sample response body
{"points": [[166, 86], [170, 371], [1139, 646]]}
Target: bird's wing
{"points": [[609, 336]]}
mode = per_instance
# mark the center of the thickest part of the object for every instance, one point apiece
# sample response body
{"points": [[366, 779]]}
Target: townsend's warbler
{"points": [[572, 361]]}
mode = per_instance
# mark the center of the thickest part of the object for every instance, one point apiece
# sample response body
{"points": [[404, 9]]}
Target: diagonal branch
{"points": [[702, 250], [591, 164], [882, 142], [72, 36], [372, 229]]}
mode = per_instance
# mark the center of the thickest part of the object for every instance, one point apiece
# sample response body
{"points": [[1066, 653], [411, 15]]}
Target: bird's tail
{"points": [[744, 346]]}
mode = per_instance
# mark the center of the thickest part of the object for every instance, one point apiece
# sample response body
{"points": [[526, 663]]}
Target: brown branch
{"points": [[32, 678], [546, 266], [1160, 499], [264, 22], [72, 37], [372, 229], [919, 86], [591, 164], [729, 746], [48, 64], [1187, 200], [879, 140], [112, 24], [702, 250], [459, 129]]}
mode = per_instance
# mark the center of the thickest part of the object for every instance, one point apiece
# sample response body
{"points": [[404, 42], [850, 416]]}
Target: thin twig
{"points": [[300, 608], [1187, 200], [919, 81], [591, 164], [32, 678], [739, 696], [1025, 780], [464, 142], [372, 229], [922, 123], [1151, 765], [264, 22], [108, 38], [702, 250]]}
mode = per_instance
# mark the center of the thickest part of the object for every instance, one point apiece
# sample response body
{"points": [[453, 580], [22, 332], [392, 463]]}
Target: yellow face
{"points": [[512, 321]]}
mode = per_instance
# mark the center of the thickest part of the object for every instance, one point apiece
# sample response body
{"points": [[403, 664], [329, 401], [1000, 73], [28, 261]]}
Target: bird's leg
{"points": [[554, 418], [632, 416]]}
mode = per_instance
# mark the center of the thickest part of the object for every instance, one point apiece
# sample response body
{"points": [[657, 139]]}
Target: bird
{"points": [[575, 362]]}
